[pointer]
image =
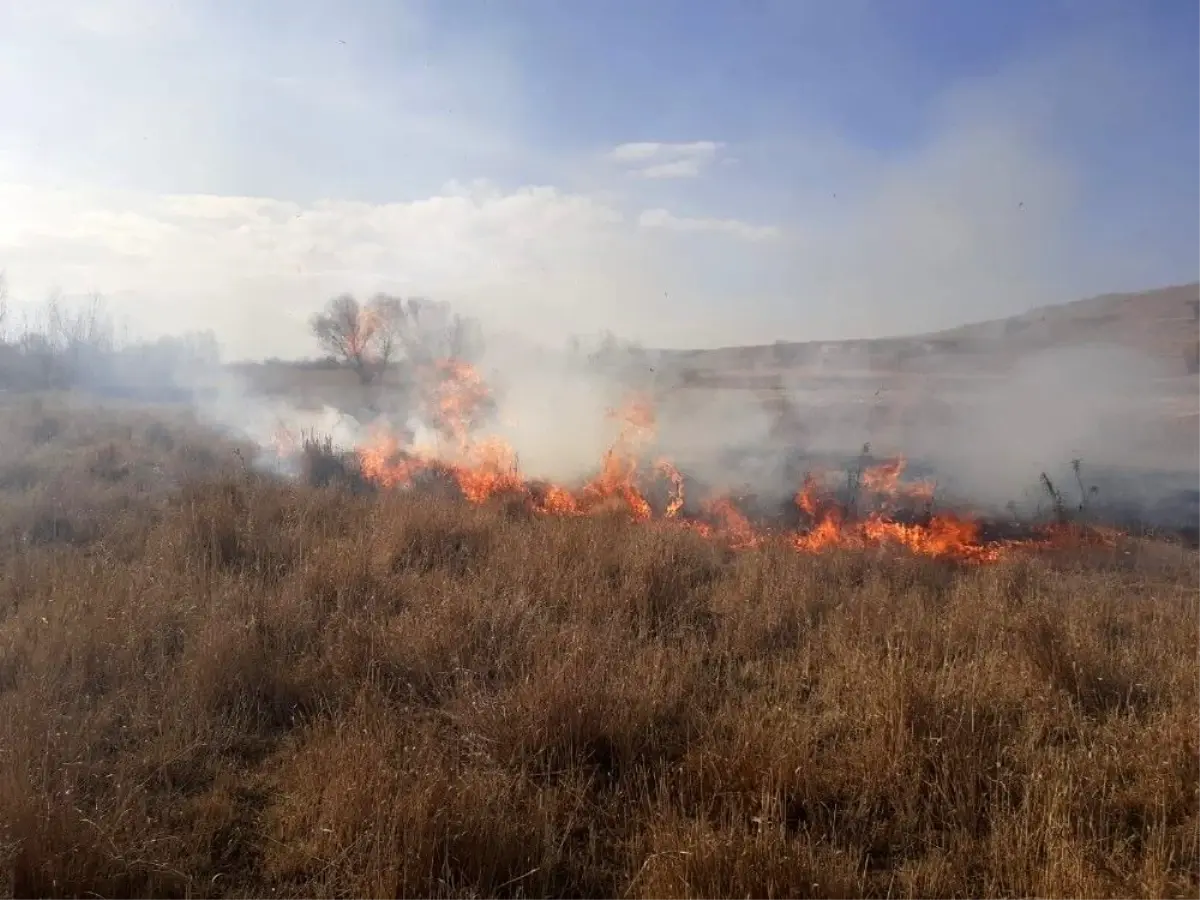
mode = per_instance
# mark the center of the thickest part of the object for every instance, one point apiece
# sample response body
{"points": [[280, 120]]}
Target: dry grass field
{"points": [[215, 683]]}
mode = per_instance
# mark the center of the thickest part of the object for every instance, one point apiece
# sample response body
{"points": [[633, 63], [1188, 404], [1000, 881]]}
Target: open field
{"points": [[218, 679], [216, 683]]}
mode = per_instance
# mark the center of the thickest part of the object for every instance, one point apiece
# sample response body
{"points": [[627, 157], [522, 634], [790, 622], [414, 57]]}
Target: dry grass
{"points": [[267, 689], [69, 469]]}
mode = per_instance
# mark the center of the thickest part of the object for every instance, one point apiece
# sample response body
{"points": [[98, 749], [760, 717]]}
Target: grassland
{"points": [[213, 683]]}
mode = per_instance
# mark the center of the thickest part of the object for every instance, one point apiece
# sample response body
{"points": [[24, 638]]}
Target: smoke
{"points": [[555, 419], [1075, 403], [984, 427], [985, 421], [986, 439], [440, 162]]}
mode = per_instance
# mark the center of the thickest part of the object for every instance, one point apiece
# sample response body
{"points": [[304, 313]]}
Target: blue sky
{"points": [[679, 172]]}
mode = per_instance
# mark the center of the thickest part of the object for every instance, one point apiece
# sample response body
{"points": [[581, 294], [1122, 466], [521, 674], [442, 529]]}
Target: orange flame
{"points": [[284, 441], [455, 395], [485, 468]]}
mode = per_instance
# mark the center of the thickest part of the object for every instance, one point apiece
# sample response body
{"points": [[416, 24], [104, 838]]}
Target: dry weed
{"points": [[253, 688]]}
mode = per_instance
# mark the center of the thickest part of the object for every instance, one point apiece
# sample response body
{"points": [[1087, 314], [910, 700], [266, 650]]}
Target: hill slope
{"points": [[1161, 323]]}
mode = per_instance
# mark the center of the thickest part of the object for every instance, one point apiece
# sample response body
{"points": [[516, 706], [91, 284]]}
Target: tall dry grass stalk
{"points": [[247, 688]]}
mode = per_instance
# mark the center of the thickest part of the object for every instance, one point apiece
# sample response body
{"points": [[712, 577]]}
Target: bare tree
{"points": [[360, 336], [431, 331], [369, 337], [61, 340]]}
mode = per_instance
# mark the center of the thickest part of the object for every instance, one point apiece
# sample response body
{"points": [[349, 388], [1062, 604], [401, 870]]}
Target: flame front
{"points": [[458, 395], [488, 467]]}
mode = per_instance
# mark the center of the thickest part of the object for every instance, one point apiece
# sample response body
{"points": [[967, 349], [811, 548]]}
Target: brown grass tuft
{"points": [[226, 685]]}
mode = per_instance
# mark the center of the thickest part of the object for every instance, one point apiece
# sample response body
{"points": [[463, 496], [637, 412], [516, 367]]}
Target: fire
{"points": [[456, 394], [667, 469], [381, 462], [619, 466], [492, 470], [284, 442], [731, 522], [883, 480]]}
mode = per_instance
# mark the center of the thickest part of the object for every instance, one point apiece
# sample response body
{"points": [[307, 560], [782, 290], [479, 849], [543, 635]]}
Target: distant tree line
{"points": [[60, 345]]}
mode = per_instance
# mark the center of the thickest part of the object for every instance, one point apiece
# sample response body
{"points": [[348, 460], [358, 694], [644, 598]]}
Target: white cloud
{"points": [[984, 209], [640, 151], [979, 221], [253, 269], [661, 218], [681, 168], [649, 159]]}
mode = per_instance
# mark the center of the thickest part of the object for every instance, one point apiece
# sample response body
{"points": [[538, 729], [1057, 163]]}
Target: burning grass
{"points": [[256, 687], [875, 506], [285, 690]]}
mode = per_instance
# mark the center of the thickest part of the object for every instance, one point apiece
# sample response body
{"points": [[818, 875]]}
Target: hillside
{"points": [[1161, 323], [1125, 363]]}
